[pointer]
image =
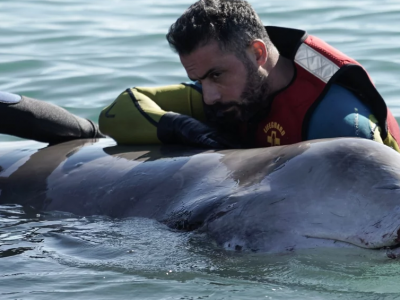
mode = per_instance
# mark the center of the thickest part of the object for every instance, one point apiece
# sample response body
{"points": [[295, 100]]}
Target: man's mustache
{"points": [[224, 110]]}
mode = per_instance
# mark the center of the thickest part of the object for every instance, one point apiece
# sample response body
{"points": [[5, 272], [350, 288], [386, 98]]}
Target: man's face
{"points": [[232, 88]]}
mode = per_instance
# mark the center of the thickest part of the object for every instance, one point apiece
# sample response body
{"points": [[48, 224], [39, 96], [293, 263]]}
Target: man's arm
{"points": [[137, 116], [133, 118], [342, 114], [169, 114]]}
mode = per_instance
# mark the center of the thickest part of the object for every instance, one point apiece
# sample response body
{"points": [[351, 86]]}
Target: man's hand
{"points": [[175, 128]]}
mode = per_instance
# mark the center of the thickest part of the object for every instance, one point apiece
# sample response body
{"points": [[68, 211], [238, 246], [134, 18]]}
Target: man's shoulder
{"points": [[340, 114]]}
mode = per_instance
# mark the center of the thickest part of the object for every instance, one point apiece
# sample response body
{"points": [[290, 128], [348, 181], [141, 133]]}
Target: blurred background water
{"points": [[80, 55]]}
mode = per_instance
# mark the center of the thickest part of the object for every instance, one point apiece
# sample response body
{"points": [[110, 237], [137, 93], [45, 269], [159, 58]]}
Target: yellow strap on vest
{"points": [[133, 117], [375, 129], [389, 140]]}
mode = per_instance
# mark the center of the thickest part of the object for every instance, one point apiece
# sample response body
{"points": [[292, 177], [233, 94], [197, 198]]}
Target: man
{"points": [[251, 87], [263, 87]]}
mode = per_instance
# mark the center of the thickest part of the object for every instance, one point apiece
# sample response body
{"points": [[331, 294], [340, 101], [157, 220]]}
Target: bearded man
{"points": [[251, 86]]}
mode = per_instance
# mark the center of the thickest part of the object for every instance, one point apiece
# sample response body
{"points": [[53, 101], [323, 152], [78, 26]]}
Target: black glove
{"points": [[175, 128], [44, 122]]}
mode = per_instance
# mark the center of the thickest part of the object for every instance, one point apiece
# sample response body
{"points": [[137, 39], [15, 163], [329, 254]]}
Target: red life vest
{"points": [[317, 66]]}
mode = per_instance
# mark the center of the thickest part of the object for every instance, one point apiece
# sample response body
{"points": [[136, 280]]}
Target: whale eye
{"points": [[238, 248]]}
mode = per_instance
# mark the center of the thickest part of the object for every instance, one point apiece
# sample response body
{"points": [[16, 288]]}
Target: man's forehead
{"points": [[204, 57], [203, 52]]}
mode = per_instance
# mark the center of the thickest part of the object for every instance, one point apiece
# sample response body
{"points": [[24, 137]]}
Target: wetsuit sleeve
{"points": [[134, 116], [342, 114], [42, 121]]}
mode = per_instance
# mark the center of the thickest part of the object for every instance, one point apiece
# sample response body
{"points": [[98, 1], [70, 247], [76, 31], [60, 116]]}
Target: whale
{"points": [[342, 192]]}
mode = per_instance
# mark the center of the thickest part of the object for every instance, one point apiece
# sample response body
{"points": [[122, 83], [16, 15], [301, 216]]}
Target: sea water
{"points": [[80, 55]]}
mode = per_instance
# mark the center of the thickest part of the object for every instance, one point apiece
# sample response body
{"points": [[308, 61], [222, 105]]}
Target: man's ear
{"points": [[259, 50]]}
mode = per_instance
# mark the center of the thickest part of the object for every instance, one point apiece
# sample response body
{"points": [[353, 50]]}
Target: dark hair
{"points": [[232, 23]]}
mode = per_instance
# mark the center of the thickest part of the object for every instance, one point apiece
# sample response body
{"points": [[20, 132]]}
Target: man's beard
{"points": [[231, 115]]}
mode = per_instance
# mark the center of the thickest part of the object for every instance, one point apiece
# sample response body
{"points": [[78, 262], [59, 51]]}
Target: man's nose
{"points": [[211, 95]]}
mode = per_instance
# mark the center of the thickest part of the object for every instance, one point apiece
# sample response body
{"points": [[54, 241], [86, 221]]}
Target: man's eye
{"points": [[215, 75]]}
